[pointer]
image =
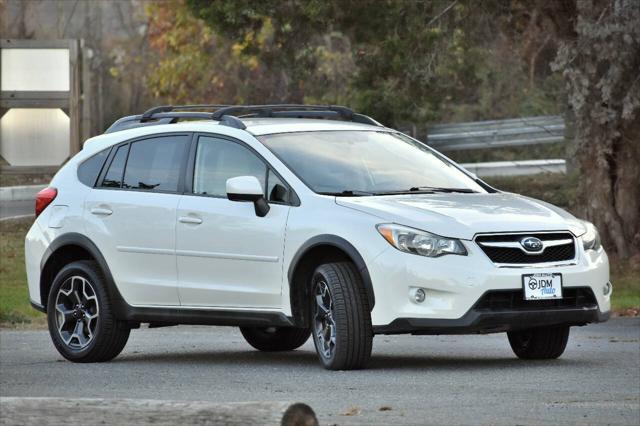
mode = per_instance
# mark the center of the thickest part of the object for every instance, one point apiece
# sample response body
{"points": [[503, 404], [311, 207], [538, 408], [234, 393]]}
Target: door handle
{"points": [[190, 219], [101, 211]]}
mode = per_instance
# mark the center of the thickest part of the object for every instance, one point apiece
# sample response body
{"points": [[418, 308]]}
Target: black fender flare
{"points": [[342, 244], [75, 239]]}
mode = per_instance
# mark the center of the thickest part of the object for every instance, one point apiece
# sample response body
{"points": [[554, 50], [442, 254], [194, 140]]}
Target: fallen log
{"points": [[92, 411]]}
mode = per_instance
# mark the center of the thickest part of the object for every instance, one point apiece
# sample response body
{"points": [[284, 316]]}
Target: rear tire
{"points": [[539, 343], [81, 321], [340, 317], [274, 339]]}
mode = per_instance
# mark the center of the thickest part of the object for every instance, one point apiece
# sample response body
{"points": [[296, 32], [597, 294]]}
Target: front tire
{"points": [[274, 339], [341, 318], [539, 343], [80, 316]]}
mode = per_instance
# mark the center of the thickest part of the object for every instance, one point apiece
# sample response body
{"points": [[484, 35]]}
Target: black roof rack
{"points": [[230, 115], [295, 111]]}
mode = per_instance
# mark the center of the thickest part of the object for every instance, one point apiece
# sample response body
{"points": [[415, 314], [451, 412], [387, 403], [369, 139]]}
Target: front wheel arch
{"points": [[314, 252]]}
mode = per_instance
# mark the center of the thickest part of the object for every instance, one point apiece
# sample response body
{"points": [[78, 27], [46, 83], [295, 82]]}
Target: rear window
{"points": [[89, 170]]}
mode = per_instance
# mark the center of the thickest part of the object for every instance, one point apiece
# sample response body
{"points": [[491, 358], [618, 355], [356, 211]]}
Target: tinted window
{"points": [[89, 170], [218, 160], [154, 164], [276, 189], [113, 178]]}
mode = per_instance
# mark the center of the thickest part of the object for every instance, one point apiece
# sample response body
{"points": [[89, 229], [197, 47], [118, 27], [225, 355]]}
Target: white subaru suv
{"points": [[296, 220]]}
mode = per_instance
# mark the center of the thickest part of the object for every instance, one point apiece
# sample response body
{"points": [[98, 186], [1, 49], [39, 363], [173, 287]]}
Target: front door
{"points": [[227, 256]]}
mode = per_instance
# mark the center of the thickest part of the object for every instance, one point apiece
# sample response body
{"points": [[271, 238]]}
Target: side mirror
{"points": [[248, 188]]}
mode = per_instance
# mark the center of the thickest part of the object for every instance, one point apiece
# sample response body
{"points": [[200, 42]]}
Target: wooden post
{"points": [[86, 96], [74, 97]]}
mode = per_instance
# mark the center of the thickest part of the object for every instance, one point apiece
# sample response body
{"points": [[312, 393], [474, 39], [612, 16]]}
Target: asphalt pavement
{"points": [[16, 208], [411, 379]]}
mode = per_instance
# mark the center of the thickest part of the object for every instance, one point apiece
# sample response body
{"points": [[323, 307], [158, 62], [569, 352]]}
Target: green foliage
{"points": [[405, 63]]}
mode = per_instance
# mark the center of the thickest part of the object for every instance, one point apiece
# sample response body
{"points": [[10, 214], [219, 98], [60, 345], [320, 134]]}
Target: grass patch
{"points": [[625, 277], [15, 309]]}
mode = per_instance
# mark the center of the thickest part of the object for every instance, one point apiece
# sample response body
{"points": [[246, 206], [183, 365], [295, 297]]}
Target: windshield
{"points": [[366, 162]]}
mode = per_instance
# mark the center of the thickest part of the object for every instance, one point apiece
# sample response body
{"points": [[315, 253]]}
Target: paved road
{"points": [[15, 208], [422, 380]]}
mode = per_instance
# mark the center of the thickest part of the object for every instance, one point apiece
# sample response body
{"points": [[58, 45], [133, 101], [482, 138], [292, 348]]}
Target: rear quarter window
{"points": [[89, 170]]}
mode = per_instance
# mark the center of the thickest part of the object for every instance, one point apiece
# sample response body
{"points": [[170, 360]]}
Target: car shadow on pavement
{"points": [[306, 358], [462, 363]]}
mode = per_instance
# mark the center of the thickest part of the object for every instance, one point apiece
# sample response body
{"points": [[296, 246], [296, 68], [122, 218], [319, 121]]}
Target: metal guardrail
{"points": [[499, 134], [516, 168], [496, 133]]}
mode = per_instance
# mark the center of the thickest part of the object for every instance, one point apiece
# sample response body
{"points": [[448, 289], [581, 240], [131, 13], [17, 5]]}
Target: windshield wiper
{"points": [[348, 193], [438, 189]]}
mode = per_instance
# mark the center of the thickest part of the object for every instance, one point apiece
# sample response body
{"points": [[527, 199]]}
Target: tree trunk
{"points": [[600, 66], [610, 188]]}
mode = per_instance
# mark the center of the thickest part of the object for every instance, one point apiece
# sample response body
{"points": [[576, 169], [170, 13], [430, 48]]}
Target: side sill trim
{"points": [[172, 316], [37, 306]]}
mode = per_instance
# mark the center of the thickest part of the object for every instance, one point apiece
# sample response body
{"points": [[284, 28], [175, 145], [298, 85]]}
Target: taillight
{"points": [[44, 198]]}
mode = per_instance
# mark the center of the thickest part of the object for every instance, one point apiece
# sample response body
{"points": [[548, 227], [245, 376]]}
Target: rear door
{"points": [[131, 216], [228, 256]]}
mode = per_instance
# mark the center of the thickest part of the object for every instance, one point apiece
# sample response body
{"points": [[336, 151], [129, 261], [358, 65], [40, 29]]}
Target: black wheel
{"points": [[273, 339], [341, 319], [80, 317], [539, 343]]}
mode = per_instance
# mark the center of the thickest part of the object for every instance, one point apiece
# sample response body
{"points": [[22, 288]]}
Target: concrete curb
{"points": [[19, 193], [83, 411]]}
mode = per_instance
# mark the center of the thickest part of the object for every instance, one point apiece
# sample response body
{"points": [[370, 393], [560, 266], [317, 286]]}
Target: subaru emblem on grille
{"points": [[531, 244]]}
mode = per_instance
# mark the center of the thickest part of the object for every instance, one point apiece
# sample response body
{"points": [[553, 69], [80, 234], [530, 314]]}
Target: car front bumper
{"points": [[494, 321], [455, 286]]}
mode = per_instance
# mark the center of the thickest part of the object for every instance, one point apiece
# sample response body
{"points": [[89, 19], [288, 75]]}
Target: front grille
{"points": [[515, 255], [572, 297]]}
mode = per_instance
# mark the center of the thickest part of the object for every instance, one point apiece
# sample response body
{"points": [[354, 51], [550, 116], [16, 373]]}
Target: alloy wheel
{"points": [[77, 312]]}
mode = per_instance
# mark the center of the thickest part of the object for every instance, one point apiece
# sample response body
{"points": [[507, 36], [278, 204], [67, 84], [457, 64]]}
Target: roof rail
{"points": [[295, 111], [230, 115], [148, 114]]}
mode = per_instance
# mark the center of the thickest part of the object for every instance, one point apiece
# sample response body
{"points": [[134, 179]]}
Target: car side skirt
{"points": [[159, 316]]}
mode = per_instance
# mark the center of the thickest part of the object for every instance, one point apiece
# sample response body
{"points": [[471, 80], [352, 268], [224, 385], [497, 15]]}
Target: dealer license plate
{"points": [[542, 286]]}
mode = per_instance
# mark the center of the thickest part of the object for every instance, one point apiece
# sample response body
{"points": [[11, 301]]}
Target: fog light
{"points": [[417, 295], [606, 290]]}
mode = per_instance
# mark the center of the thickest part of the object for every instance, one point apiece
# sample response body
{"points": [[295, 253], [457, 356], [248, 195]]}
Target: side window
{"points": [[277, 191], [218, 160], [154, 164], [113, 177], [89, 170]]}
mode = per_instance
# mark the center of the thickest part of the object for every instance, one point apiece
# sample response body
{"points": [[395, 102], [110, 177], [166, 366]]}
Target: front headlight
{"points": [[418, 242], [591, 238]]}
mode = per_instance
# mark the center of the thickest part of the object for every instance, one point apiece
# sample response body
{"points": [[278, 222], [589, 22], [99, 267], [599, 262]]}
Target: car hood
{"points": [[464, 215]]}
